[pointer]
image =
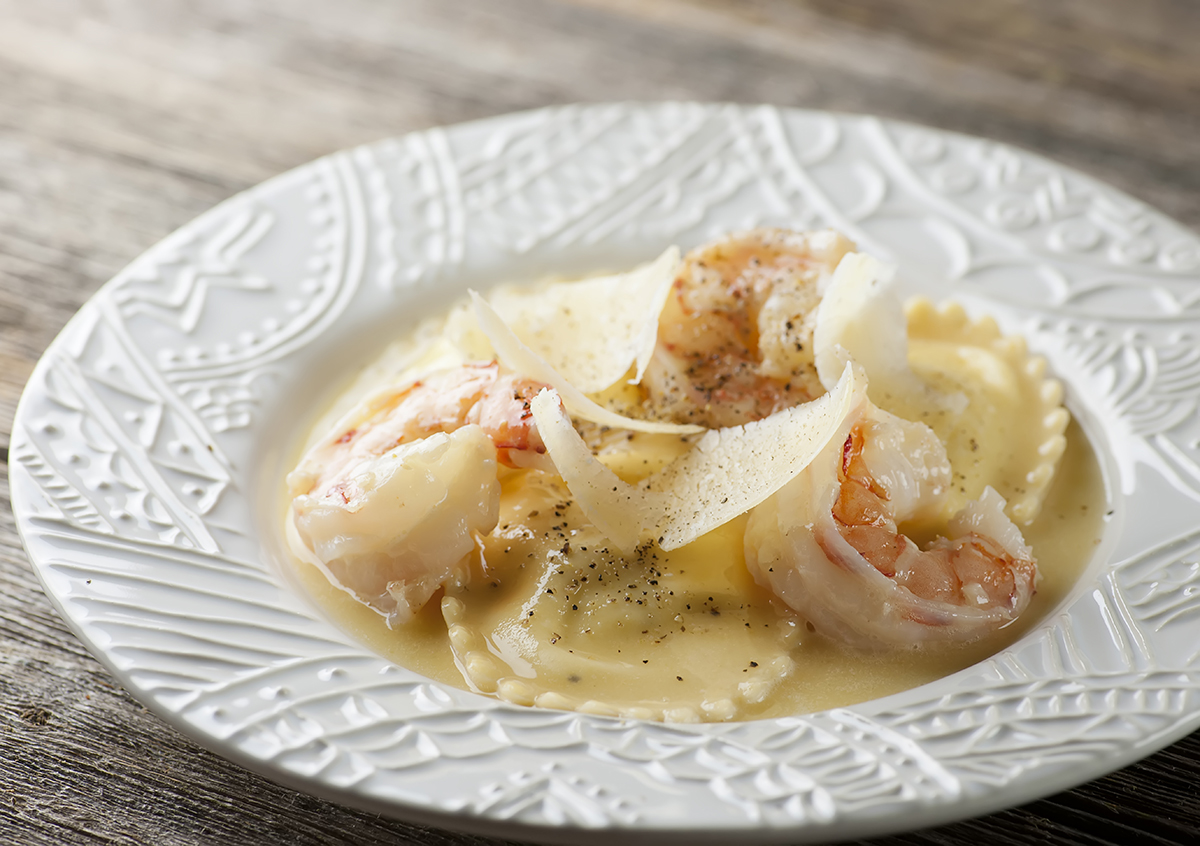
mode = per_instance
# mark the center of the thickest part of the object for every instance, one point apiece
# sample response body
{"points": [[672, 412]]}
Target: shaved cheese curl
{"points": [[861, 318], [732, 470], [594, 330], [518, 357], [658, 278], [621, 511], [861, 313], [727, 473]]}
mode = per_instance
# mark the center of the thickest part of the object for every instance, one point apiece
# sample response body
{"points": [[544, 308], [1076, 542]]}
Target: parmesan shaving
{"points": [[861, 317], [727, 473], [594, 330], [620, 510], [520, 358]]}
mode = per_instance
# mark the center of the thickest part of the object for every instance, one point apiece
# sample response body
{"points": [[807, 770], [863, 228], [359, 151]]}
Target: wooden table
{"points": [[120, 121]]}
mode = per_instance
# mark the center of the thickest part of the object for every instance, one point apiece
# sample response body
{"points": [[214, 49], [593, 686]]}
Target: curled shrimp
{"points": [[828, 544], [735, 335], [388, 504]]}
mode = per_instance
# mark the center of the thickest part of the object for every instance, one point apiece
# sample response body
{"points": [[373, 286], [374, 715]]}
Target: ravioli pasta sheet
{"points": [[1010, 434], [558, 618], [602, 564]]}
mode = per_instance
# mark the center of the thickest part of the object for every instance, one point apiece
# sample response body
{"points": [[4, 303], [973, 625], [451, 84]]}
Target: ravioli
{"points": [[1010, 434], [556, 617], [998, 415]]}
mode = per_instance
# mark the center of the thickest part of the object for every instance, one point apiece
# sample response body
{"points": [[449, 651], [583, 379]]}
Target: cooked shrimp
{"points": [[735, 336], [829, 545], [388, 504]]}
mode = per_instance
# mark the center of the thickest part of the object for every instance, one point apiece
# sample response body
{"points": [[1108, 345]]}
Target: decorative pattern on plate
{"points": [[147, 449]]}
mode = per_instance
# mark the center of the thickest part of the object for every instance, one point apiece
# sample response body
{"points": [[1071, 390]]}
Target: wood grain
{"points": [[120, 121]]}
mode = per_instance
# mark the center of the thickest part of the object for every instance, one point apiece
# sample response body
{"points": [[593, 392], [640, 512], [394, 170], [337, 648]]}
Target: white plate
{"points": [[148, 448]]}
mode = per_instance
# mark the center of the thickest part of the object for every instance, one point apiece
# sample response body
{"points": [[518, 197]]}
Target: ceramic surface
{"points": [[148, 449]]}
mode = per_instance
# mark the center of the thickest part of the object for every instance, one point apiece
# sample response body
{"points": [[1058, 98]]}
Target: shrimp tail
{"points": [[828, 545]]}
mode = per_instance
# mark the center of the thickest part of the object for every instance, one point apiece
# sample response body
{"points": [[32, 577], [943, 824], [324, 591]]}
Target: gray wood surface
{"points": [[120, 121]]}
